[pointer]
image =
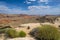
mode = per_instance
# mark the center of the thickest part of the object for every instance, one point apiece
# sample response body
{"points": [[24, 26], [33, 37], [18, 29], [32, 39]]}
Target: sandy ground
{"points": [[33, 25], [26, 38], [25, 26]]}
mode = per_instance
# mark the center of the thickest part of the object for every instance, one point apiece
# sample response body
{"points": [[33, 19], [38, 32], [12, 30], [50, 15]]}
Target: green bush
{"points": [[12, 33], [22, 34], [46, 32]]}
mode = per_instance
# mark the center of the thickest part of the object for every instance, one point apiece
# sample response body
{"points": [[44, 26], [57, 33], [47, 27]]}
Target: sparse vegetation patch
{"points": [[46, 32]]}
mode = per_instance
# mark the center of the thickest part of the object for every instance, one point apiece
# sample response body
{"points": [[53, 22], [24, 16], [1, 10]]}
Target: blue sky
{"points": [[36, 7]]}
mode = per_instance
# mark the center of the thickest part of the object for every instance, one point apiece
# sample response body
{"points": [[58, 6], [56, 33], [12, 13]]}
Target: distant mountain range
{"points": [[21, 15]]}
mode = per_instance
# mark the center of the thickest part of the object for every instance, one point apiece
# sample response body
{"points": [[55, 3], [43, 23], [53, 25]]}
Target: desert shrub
{"points": [[28, 27], [12, 33], [22, 34], [4, 28], [2, 31], [46, 32]]}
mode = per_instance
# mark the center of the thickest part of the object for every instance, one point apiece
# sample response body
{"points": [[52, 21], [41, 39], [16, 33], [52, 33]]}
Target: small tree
{"points": [[22, 34], [46, 32]]}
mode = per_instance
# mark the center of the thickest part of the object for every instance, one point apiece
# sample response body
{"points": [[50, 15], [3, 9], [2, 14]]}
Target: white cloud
{"points": [[37, 10], [5, 9], [44, 10], [27, 2], [46, 1], [32, 0], [43, 0], [38, 7]]}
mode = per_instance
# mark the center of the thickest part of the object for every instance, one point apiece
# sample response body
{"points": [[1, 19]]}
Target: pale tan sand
{"points": [[34, 25], [25, 38], [25, 26]]}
